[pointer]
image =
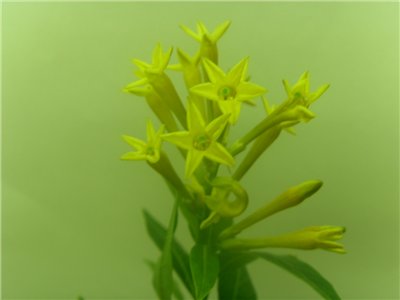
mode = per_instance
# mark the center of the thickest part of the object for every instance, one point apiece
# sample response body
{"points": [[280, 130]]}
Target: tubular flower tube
{"points": [[192, 77], [164, 167], [295, 114], [201, 140], [220, 204], [289, 113], [228, 90], [189, 67], [292, 197], [157, 105], [260, 145], [154, 75], [208, 41], [323, 237]]}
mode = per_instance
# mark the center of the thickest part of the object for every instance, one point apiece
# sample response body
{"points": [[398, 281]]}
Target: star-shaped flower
{"points": [[154, 75], [158, 63], [230, 89], [208, 41], [300, 94], [201, 140], [149, 151]]}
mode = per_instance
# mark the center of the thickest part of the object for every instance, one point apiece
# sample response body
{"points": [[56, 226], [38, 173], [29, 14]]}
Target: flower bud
{"points": [[323, 237], [292, 197]]}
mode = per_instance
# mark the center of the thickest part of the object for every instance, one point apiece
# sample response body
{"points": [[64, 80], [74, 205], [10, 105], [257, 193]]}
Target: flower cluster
{"points": [[200, 125]]}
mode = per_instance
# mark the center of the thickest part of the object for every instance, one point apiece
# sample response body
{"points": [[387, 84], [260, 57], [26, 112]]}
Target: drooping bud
{"points": [[219, 201]]}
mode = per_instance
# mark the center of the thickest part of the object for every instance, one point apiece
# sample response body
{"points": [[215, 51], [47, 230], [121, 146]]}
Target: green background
{"points": [[72, 211]]}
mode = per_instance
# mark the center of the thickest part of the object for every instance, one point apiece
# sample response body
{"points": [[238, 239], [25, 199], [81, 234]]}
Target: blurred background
{"points": [[72, 219]]}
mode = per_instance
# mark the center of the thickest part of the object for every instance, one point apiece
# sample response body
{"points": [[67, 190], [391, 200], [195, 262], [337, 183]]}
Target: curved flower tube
{"points": [[219, 201]]}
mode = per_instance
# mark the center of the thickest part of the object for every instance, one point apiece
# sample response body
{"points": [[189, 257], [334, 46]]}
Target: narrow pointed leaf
{"points": [[180, 258], [304, 272], [291, 264], [163, 280]]}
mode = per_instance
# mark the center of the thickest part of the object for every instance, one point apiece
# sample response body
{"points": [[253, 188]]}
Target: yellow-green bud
{"points": [[323, 237], [293, 196]]}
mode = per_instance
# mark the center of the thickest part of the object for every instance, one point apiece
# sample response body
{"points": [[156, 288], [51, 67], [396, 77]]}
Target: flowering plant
{"points": [[209, 201]]}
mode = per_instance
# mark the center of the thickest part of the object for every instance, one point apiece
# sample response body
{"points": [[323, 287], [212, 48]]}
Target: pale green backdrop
{"points": [[72, 212]]}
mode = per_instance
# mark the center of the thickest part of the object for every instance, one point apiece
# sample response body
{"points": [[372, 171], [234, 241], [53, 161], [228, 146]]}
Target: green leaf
{"points": [[236, 285], [163, 280], [182, 198], [180, 258], [204, 264], [303, 271], [176, 291], [234, 280]]}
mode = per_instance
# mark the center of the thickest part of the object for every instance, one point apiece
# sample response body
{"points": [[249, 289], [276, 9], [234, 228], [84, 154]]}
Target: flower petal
{"points": [[207, 90], [231, 107], [219, 31], [215, 128], [141, 64], [193, 160], [157, 55], [214, 73], [195, 121], [218, 153], [182, 139], [134, 142], [318, 93], [248, 90], [236, 74], [189, 32], [134, 156], [202, 28]]}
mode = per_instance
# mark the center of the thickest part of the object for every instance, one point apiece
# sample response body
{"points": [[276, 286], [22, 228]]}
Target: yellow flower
{"points": [[323, 237], [154, 75], [299, 93], [208, 41], [229, 90], [158, 64], [201, 140], [149, 151]]}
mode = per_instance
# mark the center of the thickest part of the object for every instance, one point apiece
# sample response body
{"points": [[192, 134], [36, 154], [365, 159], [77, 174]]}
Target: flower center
{"points": [[150, 150], [227, 92], [201, 142]]}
